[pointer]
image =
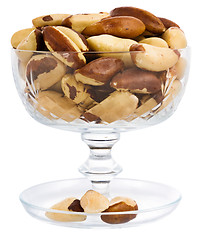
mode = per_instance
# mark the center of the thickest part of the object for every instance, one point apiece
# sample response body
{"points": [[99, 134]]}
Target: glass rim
{"points": [[89, 52]]}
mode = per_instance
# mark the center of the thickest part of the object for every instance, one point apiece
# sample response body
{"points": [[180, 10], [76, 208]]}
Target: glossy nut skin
{"points": [[175, 38], [99, 71], [137, 81], [18, 36], [54, 105], [168, 23], [49, 20], [59, 43], [33, 42], [153, 58], [109, 43], [79, 22], [109, 110], [43, 71], [127, 27], [152, 23], [120, 204], [62, 217], [76, 91], [155, 41], [94, 202]]}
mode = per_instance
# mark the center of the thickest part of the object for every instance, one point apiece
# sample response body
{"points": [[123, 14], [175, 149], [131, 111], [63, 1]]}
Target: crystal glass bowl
{"points": [[130, 98]]}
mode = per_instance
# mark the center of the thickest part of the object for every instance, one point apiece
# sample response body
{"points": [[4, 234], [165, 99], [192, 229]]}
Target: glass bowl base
{"points": [[154, 200]]}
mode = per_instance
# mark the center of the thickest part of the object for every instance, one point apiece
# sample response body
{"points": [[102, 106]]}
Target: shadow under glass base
{"points": [[155, 200]]}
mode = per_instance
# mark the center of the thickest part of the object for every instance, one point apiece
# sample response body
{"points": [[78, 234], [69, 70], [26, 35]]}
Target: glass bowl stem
{"points": [[100, 167]]}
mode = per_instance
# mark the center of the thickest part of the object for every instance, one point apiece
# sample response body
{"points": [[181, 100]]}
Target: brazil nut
{"points": [[79, 22], [43, 71], [168, 23], [99, 71], [122, 26], [155, 41], [33, 42], [49, 20], [110, 44], [109, 110], [152, 23], [153, 58], [76, 37], [137, 81], [120, 204], [63, 47], [18, 36], [175, 38], [76, 91], [64, 206], [54, 105]]}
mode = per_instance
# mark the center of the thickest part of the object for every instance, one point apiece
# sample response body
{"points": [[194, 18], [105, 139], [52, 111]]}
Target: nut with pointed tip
{"points": [[18, 36], [63, 47], [33, 42], [49, 20], [155, 41], [43, 71], [94, 202], [137, 81], [54, 105], [99, 71], [120, 204], [76, 91], [79, 22], [122, 26], [110, 44], [175, 38], [109, 110], [153, 58], [152, 23], [63, 217]]}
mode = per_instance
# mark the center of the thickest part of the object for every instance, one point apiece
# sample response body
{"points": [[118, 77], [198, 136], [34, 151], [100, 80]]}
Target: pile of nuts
{"points": [[94, 202], [101, 67]]}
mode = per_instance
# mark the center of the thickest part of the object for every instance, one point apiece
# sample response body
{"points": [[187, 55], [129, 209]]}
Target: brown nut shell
{"points": [[99, 71], [79, 22], [54, 105], [43, 71], [109, 110], [94, 202], [63, 47], [49, 20], [152, 23], [63, 217], [136, 80], [168, 23], [122, 26], [121, 205], [153, 58]]}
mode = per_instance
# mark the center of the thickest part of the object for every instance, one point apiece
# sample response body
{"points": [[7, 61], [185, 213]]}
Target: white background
{"points": [[171, 152]]}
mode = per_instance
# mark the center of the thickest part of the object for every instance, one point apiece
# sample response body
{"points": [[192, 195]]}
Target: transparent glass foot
{"points": [[100, 168], [155, 200]]}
